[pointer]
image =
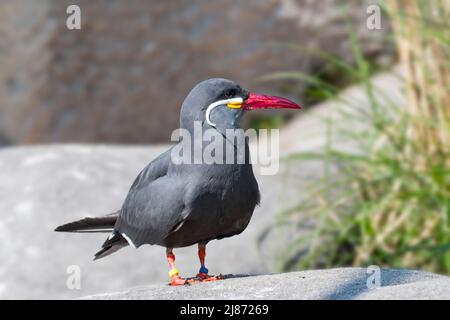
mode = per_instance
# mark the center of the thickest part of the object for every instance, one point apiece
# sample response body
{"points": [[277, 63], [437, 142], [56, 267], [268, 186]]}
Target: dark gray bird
{"points": [[175, 204]]}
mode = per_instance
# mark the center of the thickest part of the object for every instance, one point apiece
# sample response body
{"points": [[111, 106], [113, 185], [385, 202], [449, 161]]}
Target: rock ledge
{"points": [[343, 283]]}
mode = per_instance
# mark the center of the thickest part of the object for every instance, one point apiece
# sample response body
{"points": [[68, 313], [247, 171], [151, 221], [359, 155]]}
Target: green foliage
{"points": [[389, 203], [267, 122]]}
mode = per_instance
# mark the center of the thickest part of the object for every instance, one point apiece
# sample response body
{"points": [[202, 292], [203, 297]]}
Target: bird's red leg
{"points": [[174, 272], [203, 272]]}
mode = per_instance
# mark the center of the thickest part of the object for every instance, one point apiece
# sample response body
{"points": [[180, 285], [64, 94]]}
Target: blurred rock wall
{"points": [[123, 76]]}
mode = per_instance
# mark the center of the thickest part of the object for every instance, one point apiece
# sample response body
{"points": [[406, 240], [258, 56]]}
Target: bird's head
{"points": [[220, 103]]}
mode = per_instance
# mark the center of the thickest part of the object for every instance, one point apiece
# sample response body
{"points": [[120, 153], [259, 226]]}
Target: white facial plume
{"points": [[232, 101]]}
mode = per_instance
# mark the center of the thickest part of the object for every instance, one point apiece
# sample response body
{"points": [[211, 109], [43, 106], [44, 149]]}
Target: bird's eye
{"points": [[229, 93]]}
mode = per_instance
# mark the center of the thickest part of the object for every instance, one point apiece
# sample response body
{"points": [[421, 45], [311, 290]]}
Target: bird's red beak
{"points": [[260, 101]]}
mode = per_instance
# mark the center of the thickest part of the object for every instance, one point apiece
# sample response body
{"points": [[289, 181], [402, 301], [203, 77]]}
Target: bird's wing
{"points": [[154, 170], [154, 206]]}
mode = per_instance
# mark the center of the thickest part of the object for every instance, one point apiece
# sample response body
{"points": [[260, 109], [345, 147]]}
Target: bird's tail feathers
{"points": [[91, 224], [114, 242]]}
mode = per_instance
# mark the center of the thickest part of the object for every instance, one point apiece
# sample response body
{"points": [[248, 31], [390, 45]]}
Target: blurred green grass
{"points": [[389, 204]]}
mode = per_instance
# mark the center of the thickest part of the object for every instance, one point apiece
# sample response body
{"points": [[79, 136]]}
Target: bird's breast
{"points": [[220, 200]]}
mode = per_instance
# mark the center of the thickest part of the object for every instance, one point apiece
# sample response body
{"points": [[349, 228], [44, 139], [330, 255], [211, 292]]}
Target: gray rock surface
{"points": [[332, 284], [44, 186], [123, 76]]}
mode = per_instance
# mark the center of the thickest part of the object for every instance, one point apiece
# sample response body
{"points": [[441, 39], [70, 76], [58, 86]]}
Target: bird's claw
{"points": [[200, 277], [204, 277], [178, 281]]}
